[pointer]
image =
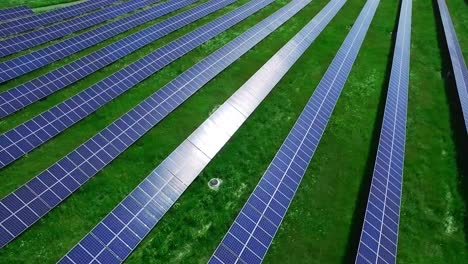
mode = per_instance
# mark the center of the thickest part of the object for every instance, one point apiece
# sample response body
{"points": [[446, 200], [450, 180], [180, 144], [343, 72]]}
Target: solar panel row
{"points": [[32, 91], [379, 235], [253, 230], [456, 56], [33, 133], [15, 12], [27, 204], [31, 22], [43, 35], [122, 230], [36, 59]]}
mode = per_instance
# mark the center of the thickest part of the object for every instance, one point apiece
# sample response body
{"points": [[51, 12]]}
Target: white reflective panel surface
{"points": [[160, 176], [209, 138], [243, 101], [228, 118], [186, 162], [260, 85]]}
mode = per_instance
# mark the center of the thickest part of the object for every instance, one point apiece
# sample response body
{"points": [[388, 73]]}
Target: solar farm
{"points": [[234, 131]]}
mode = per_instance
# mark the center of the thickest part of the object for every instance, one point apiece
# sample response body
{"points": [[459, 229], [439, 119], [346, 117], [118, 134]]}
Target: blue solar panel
{"points": [[27, 93], [53, 185], [15, 12], [36, 59], [378, 243], [43, 35], [456, 56], [33, 133], [31, 22], [138, 213], [253, 230]]}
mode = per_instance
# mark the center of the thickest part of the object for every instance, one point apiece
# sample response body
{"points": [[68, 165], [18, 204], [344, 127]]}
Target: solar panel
{"points": [[456, 56], [379, 235], [31, 22], [27, 204], [253, 230], [36, 59], [15, 12], [27, 93], [121, 231], [58, 30], [31, 134]]}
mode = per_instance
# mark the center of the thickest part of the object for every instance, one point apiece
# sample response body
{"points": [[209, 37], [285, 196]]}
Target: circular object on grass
{"points": [[214, 183]]}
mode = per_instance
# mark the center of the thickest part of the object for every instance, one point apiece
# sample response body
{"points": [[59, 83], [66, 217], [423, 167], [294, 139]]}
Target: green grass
{"points": [[323, 220], [432, 221]]}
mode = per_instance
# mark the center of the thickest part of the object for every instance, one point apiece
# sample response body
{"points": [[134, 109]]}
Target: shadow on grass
{"points": [[361, 202], [456, 115]]}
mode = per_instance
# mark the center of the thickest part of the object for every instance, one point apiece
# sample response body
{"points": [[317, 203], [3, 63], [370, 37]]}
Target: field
{"points": [[324, 221]]}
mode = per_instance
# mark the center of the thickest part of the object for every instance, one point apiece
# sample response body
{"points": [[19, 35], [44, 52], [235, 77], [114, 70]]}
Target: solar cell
{"points": [[378, 242], [460, 71], [15, 12], [49, 188], [31, 22], [253, 230], [23, 64], [58, 30], [139, 212], [32, 91], [33, 133]]}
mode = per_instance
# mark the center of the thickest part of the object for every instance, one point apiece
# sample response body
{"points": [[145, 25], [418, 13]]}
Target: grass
{"points": [[433, 208], [325, 216]]}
